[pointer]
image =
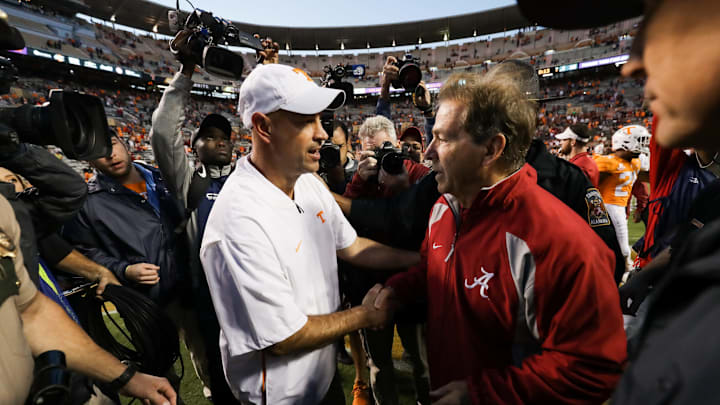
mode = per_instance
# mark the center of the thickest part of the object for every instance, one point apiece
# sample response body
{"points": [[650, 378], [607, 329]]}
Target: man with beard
{"points": [[573, 146]]}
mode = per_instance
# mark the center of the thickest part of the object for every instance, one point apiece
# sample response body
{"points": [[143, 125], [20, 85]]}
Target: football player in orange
{"points": [[618, 173]]}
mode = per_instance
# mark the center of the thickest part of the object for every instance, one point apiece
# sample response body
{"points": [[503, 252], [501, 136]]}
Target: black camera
{"points": [[329, 152], [208, 32], [51, 380], [73, 121], [410, 73], [335, 74], [333, 78], [390, 158]]}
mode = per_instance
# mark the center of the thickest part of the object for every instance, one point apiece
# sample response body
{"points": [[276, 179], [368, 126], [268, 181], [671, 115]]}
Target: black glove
{"points": [[635, 290]]}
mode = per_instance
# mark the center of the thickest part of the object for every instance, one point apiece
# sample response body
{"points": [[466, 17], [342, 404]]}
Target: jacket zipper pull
{"points": [[452, 248]]}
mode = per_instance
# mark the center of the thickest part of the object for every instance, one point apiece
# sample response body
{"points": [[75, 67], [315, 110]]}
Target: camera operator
{"points": [[339, 176], [197, 190]]}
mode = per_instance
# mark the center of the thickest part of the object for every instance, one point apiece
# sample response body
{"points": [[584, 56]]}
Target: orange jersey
{"points": [[616, 188]]}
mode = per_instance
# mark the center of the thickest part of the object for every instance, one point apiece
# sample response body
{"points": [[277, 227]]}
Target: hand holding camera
{"points": [[367, 167], [180, 48], [422, 99], [270, 53], [390, 72]]}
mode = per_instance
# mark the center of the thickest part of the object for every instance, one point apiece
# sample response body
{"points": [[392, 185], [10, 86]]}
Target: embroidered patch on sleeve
{"points": [[597, 214]]}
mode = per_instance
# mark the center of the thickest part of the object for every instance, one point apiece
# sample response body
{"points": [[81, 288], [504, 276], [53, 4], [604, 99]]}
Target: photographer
{"points": [[339, 176], [196, 190]]}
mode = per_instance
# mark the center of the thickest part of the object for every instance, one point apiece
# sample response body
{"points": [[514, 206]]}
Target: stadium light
{"points": [[368, 45], [316, 47], [342, 46], [445, 36], [112, 18], [420, 40], [393, 43], [475, 33], [155, 28], [287, 46]]}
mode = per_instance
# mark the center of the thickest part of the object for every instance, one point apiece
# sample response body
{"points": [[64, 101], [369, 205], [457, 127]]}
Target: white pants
{"points": [[619, 221]]}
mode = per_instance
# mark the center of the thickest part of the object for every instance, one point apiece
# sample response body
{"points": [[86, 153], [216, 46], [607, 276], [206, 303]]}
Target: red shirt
{"points": [[521, 264], [588, 166], [359, 188]]}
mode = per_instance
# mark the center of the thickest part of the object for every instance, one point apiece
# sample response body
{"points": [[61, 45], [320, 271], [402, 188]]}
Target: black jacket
{"points": [[117, 227], [569, 184], [58, 193], [676, 358], [405, 216]]}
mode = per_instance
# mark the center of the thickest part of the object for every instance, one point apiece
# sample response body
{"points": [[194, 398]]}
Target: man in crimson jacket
{"points": [[520, 290]]}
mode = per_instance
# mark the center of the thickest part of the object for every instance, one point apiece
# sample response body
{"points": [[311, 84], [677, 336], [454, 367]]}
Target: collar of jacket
{"points": [[544, 163], [101, 182], [500, 194], [214, 171]]}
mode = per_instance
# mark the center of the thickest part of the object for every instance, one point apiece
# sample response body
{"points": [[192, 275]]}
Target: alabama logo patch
{"points": [[597, 214]]}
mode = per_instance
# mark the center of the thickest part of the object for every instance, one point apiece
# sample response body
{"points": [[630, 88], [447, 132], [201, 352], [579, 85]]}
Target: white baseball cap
{"points": [[569, 134], [269, 88]]}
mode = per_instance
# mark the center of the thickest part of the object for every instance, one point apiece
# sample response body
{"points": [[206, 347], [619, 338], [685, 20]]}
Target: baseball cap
{"points": [[577, 14], [413, 132], [269, 88], [569, 134], [212, 121]]}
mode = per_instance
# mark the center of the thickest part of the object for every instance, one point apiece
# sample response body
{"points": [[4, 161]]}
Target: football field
{"points": [[191, 389]]}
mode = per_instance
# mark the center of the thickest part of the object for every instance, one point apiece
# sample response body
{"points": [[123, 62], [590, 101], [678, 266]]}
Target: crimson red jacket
{"points": [[588, 166], [521, 299]]}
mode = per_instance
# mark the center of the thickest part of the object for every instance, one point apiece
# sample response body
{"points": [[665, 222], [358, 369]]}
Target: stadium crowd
{"points": [[485, 226]]}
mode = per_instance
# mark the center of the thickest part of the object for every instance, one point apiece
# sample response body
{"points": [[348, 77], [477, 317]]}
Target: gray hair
{"points": [[376, 124]]}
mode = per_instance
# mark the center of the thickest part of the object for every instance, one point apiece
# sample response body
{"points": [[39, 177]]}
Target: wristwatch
{"points": [[129, 372]]}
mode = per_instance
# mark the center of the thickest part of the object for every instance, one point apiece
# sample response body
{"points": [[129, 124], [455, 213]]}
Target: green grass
{"points": [[191, 389]]}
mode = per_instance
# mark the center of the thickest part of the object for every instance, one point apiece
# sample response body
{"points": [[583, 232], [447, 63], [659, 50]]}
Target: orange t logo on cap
{"points": [[320, 215], [302, 72]]}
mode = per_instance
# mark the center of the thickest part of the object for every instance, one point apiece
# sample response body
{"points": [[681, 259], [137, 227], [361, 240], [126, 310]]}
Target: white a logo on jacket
{"points": [[481, 281]]}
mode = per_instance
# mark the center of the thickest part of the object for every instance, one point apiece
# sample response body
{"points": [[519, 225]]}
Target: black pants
{"points": [[335, 394]]}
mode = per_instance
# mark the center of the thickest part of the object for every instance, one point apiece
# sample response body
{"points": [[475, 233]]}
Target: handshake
{"points": [[379, 305]]}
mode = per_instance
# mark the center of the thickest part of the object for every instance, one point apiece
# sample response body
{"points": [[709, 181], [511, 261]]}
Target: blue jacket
{"points": [[118, 227]]}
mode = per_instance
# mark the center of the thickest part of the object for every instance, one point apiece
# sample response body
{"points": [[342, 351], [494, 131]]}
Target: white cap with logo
{"points": [[569, 134], [269, 88]]}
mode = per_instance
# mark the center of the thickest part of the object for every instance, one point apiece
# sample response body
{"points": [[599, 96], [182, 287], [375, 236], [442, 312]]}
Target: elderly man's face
{"points": [[680, 55], [455, 157], [375, 139]]}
